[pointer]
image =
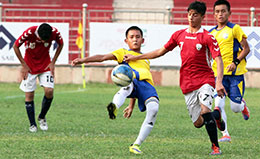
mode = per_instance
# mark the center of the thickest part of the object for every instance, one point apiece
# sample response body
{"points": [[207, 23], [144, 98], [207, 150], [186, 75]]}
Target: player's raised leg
{"points": [[118, 100]]}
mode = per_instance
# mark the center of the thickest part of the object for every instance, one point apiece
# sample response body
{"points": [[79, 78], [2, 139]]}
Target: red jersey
{"points": [[197, 49], [37, 55]]}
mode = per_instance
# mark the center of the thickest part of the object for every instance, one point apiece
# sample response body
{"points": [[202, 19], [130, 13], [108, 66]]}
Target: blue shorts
{"points": [[142, 91], [235, 87]]}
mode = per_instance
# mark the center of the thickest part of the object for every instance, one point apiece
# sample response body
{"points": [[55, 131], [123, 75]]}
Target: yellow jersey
{"points": [[141, 68], [229, 39]]}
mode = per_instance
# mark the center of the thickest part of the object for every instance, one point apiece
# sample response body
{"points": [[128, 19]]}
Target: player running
{"points": [[234, 49], [141, 88], [37, 64], [197, 79]]}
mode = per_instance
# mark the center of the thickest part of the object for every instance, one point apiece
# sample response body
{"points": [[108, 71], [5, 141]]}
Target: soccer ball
{"points": [[122, 75]]}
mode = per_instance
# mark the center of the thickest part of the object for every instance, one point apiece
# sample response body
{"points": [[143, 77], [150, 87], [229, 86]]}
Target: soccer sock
{"points": [[237, 107], [147, 126], [30, 112], [216, 114], [121, 95], [220, 102], [211, 128], [46, 103]]}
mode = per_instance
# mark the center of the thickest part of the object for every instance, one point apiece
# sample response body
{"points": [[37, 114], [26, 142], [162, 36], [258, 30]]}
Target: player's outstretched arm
{"points": [[128, 110], [149, 55], [219, 86], [95, 58]]}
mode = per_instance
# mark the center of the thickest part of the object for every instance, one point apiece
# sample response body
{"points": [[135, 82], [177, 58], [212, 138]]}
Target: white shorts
{"points": [[204, 95], [45, 80]]}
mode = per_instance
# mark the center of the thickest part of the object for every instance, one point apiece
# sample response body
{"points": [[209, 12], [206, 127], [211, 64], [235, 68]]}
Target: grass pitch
{"points": [[79, 127]]}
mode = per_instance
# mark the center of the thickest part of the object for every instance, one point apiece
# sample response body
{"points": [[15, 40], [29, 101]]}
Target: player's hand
{"points": [[129, 57], [220, 89], [128, 112], [24, 71], [76, 62], [231, 67], [52, 68]]}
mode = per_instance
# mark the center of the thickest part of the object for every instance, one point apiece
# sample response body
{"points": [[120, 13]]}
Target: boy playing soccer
{"points": [[197, 79], [141, 88], [38, 64], [234, 49]]}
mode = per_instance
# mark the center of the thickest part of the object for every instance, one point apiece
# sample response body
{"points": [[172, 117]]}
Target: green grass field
{"points": [[79, 127]]}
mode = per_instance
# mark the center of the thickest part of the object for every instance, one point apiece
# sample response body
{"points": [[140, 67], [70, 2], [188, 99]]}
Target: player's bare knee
{"points": [[48, 92], [199, 122]]}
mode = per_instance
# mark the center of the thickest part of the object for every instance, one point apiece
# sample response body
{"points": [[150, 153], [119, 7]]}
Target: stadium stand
{"points": [[58, 11], [130, 11]]}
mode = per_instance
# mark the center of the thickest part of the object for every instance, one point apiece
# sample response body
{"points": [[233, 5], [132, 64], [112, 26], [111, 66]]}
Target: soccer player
{"points": [[142, 87], [197, 79], [37, 64], [234, 49]]}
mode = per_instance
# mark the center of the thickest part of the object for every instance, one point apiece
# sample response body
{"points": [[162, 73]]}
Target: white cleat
{"points": [[43, 124], [33, 129]]}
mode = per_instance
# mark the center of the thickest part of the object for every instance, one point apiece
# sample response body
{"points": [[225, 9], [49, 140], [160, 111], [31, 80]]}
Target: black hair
{"points": [[45, 31], [133, 28], [219, 2], [198, 6]]}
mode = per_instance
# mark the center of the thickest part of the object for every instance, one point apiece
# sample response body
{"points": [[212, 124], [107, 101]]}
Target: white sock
{"points": [[236, 107], [152, 108], [220, 102], [120, 96]]}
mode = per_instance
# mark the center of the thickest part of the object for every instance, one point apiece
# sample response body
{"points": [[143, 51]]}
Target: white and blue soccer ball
{"points": [[122, 75]]}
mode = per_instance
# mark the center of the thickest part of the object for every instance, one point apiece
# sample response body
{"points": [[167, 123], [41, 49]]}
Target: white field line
{"points": [[65, 92]]}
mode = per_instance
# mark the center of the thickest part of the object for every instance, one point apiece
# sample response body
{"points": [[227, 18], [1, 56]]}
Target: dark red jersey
{"points": [[37, 55], [197, 49]]}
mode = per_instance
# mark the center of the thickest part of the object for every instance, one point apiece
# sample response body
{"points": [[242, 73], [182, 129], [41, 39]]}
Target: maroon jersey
{"points": [[37, 55], [197, 49]]}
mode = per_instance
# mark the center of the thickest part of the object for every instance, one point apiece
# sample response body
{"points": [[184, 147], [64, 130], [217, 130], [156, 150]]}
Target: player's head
{"points": [[222, 2], [196, 13], [222, 11], [198, 6], [134, 38], [45, 31], [133, 28]]}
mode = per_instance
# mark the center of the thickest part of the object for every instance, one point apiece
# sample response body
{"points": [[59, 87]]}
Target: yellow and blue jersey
{"points": [[229, 39], [141, 68]]}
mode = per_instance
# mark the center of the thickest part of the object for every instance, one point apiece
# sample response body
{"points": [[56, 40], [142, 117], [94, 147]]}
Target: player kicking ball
{"points": [[142, 87], [37, 64], [197, 79]]}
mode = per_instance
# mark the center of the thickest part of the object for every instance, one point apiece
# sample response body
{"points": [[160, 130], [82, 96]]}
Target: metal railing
{"points": [[73, 16]]}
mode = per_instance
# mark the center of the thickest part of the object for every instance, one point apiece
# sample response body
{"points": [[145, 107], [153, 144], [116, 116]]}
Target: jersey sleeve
{"points": [[213, 46], [172, 43], [119, 54], [238, 33], [24, 37], [57, 36]]}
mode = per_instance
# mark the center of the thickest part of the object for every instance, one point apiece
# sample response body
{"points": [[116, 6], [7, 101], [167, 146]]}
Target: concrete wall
{"points": [[164, 76]]}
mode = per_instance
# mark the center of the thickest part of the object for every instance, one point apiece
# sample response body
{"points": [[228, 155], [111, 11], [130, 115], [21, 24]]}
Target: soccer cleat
{"points": [[33, 128], [135, 149], [225, 138], [112, 110], [43, 124], [245, 112], [215, 150], [220, 122]]}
